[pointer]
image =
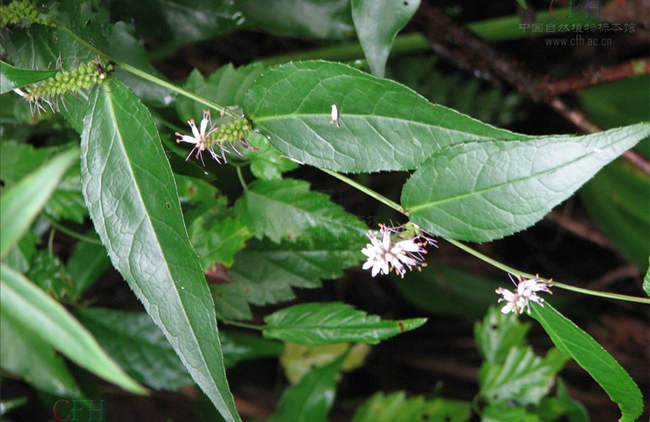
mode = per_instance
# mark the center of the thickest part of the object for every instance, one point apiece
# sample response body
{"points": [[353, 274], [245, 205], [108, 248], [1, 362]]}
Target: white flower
{"points": [[526, 292], [200, 138], [384, 255]]}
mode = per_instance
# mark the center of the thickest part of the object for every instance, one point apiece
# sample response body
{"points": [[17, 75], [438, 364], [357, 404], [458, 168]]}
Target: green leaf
{"points": [[288, 209], [384, 125], [142, 350], [20, 256], [522, 3], [138, 345], [646, 280], [321, 19], [316, 324], [14, 77], [226, 86], [178, 22], [552, 408], [87, 262], [440, 288], [395, 407], [133, 202], [266, 162], [617, 201], [501, 412], [523, 377], [28, 356], [498, 333], [481, 191], [311, 399], [20, 159], [67, 202], [265, 272], [377, 23], [591, 356], [17, 160], [27, 305], [217, 239], [48, 273], [23, 202]]}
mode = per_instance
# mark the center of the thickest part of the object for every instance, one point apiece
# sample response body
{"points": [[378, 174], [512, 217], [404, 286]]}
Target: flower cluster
{"points": [[21, 10], [525, 293], [396, 249], [215, 139], [82, 77]]}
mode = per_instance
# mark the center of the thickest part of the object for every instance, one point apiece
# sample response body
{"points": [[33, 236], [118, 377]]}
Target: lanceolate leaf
{"points": [[27, 305], [591, 356], [481, 191], [287, 209], [136, 212], [311, 399], [315, 324], [13, 77], [384, 125], [22, 203], [24, 354], [377, 23]]}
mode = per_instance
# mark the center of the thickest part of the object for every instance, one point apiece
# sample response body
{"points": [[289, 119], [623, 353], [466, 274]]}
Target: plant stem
{"points": [[379, 197], [70, 232], [483, 257], [147, 76], [243, 324], [240, 176]]}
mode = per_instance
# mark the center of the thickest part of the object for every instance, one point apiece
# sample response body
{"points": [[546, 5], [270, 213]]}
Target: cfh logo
{"points": [[79, 411], [589, 6]]}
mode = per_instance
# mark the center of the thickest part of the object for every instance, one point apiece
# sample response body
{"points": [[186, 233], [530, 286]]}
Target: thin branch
{"points": [[593, 77]]}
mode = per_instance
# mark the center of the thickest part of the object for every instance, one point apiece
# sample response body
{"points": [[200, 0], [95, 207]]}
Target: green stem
{"points": [[243, 324], [483, 257], [70, 232], [144, 75], [379, 197], [240, 176]]}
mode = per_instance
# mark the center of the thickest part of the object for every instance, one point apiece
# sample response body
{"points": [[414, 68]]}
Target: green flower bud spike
{"points": [[21, 10], [63, 82]]}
